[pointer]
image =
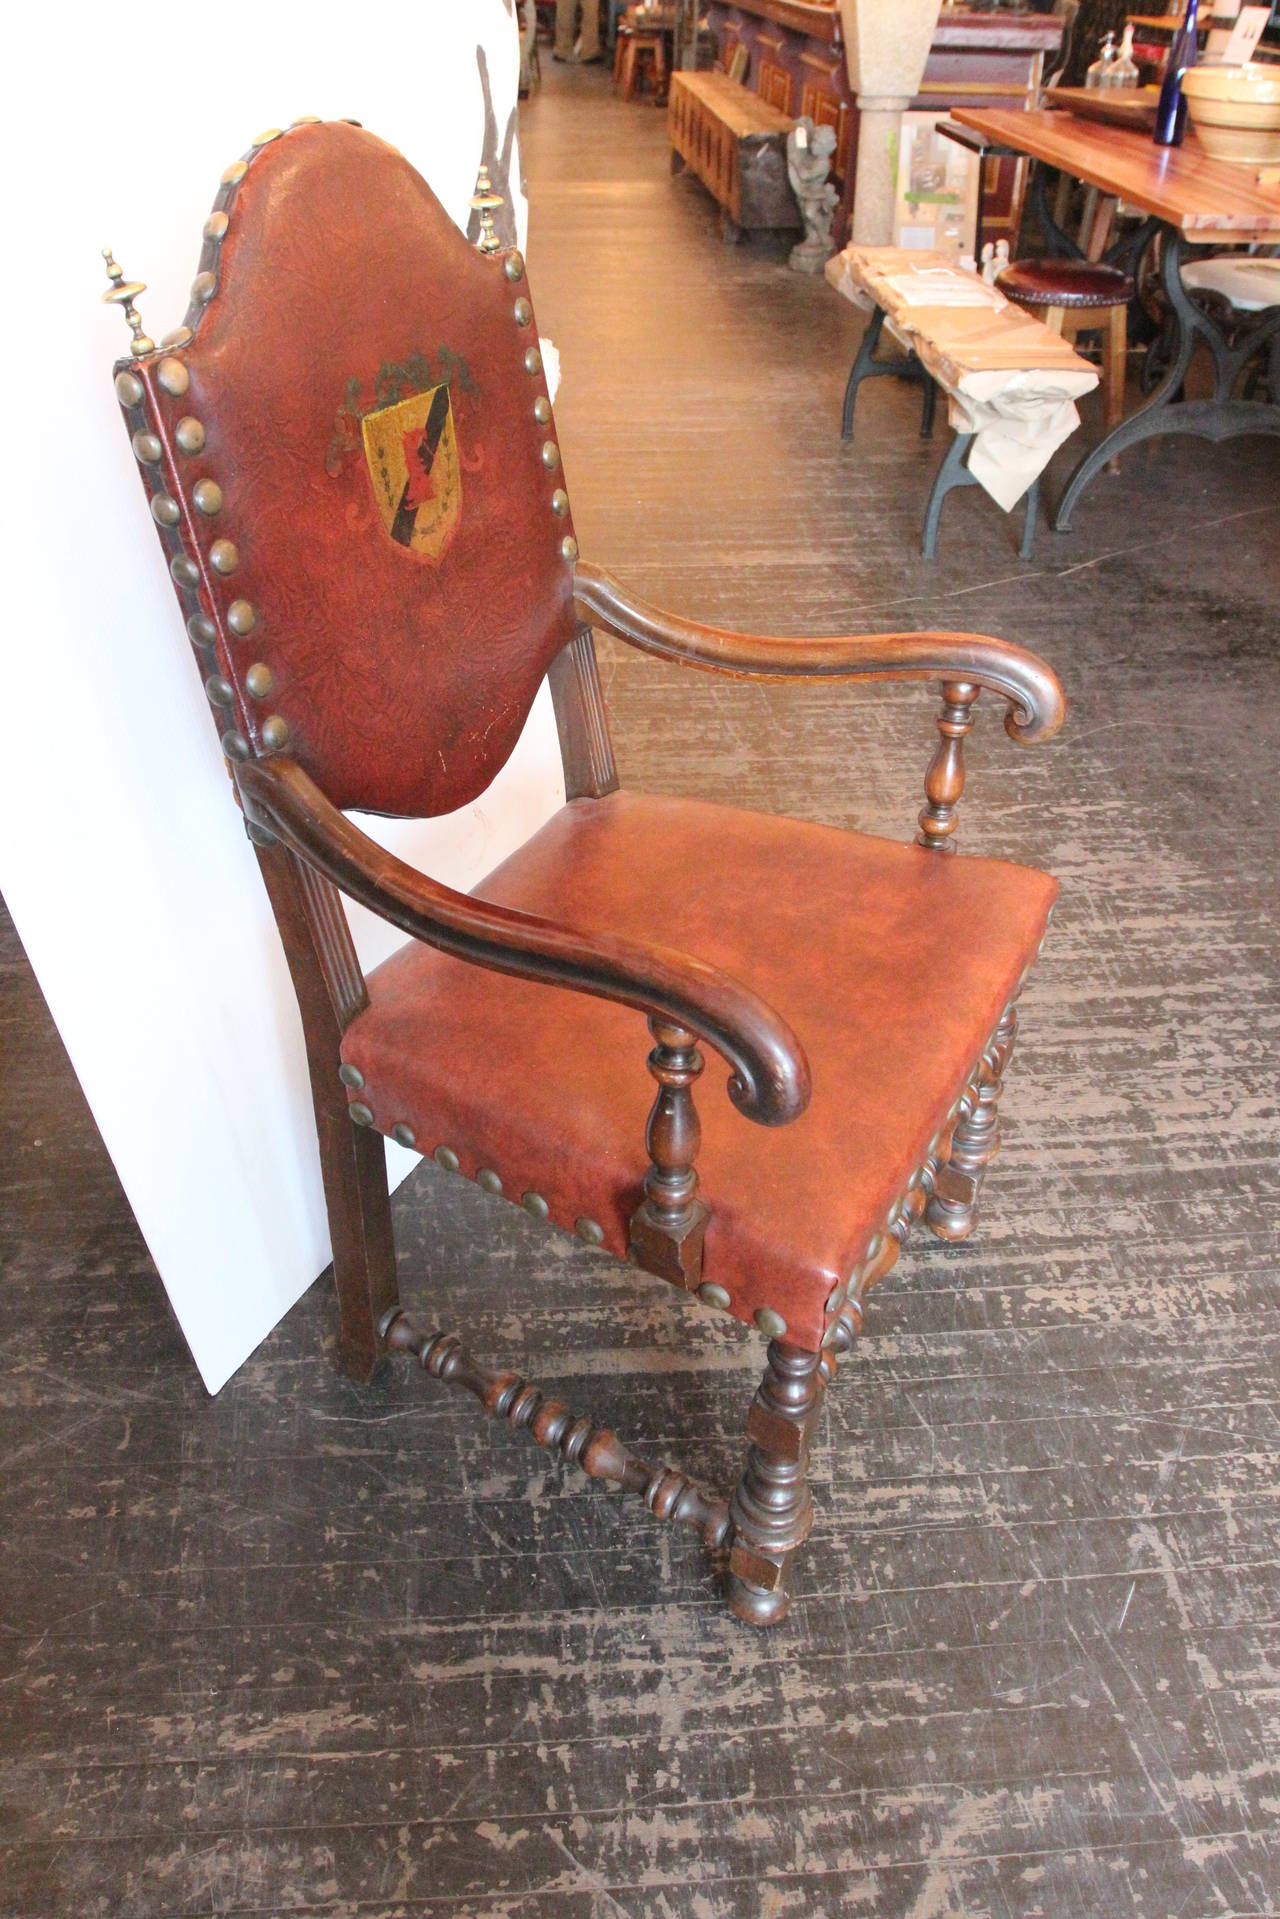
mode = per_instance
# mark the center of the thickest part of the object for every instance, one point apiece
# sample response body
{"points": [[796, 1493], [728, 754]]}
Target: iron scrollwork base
{"points": [[867, 367], [1165, 414]]}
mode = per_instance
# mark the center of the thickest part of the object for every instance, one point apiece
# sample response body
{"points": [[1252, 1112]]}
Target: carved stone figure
{"points": [[809, 151]]}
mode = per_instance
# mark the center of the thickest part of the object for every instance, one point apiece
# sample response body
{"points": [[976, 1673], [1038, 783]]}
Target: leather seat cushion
{"points": [[892, 963], [1065, 283]]}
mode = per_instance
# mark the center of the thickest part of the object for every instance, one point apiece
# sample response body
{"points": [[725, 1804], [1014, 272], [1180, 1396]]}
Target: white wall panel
{"points": [[121, 856]]}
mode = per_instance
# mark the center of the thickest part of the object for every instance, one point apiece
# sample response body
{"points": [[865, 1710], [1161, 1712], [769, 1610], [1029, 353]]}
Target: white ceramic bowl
{"points": [[1236, 112]]}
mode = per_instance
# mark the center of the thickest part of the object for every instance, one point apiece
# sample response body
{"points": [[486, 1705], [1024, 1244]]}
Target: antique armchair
{"points": [[352, 466]]}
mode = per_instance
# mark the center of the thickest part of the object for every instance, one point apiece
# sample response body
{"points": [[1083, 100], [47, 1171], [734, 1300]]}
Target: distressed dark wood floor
{"points": [[310, 1650]]}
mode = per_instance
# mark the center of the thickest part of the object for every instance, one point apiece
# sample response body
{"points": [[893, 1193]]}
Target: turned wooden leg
{"points": [[772, 1509], [952, 1212], [1115, 350]]}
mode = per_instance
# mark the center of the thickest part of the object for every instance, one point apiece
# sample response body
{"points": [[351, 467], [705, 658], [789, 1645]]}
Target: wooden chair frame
{"points": [[309, 852]]}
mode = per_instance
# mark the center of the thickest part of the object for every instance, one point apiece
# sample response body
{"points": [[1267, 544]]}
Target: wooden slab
{"points": [[1206, 199], [956, 339]]}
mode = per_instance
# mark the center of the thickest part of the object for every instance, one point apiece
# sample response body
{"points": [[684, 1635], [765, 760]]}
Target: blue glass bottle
{"points": [[1171, 111]]}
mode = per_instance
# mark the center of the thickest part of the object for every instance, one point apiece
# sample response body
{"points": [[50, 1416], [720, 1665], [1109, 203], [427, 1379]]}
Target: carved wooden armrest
{"points": [[682, 996], [963, 662]]}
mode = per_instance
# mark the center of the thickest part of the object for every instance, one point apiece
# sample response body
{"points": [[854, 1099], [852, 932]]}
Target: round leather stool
{"points": [[1079, 296]]}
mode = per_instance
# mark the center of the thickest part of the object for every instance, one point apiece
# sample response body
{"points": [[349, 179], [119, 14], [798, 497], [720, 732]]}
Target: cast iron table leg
{"points": [[954, 472], [1164, 414], [867, 367]]}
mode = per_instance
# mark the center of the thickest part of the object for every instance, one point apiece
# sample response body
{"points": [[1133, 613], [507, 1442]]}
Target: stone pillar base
{"points": [[876, 181]]}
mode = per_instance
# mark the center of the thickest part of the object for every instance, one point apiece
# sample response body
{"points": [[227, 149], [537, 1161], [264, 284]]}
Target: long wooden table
{"points": [[1205, 200], [1192, 200]]}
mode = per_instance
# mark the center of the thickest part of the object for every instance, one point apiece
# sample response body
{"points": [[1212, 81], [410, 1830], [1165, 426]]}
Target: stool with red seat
{"points": [[1074, 297]]}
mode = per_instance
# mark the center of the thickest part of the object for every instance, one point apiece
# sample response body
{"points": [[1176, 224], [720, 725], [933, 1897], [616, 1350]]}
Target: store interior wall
{"points": [[122, 859]]}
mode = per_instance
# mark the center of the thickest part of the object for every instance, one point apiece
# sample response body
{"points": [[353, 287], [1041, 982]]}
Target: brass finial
{"points": [[123, 293], [484, 200]]}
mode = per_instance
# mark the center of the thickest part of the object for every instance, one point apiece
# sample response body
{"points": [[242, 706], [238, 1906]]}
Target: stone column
{"points": [[886, 46]]}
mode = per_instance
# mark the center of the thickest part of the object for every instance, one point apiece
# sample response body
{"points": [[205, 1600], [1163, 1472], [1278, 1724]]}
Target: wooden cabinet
{"points": [[796, 62], [775, 81]]}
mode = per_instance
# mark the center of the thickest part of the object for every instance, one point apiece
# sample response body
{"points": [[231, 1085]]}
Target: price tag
{"points": [[1245, 35]]}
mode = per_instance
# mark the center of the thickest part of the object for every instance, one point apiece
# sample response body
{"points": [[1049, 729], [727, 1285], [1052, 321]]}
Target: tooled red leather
{"points": [[341, 286], [892, 963]]}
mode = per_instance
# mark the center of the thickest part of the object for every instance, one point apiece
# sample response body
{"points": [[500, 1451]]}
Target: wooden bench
{"points": [[960, 347], [736, 143]]}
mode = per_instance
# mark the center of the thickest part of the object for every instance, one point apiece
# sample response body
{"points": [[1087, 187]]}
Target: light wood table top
{"points": [[1207, 200]]}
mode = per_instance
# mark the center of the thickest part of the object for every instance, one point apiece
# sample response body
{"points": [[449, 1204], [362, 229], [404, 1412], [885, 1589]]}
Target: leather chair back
{"points": [[351, 459]]}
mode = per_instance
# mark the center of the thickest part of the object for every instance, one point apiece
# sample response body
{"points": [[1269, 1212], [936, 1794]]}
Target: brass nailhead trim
{"points": [[202, 288], [560, 502], [147, 447], [550, 455], [568, 547], [513, 266], [360, 1113], [232, 176], [201, 630], [351, 1076], [770, 1322], [275, 732], [224, 556], [259, 680], [590, 1231], [534, 1203], [522, 312], [164, 511], [241, 617], [184, 570], [446, 1157], [714, 1295], [235, 746], [219, 691], [173, 377], [207, 496], [532, 360], [488, 1180], [180, 336], [404, 1135], [129, 389], [265, 139], [216, 225], [189, 433]]}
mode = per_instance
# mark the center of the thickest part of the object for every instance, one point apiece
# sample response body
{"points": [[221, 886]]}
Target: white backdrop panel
{"points": [[121, 858]]}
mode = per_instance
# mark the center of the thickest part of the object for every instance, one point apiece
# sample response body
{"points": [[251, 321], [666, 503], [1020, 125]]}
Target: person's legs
{"points": [[566, 28], [590, 49]]}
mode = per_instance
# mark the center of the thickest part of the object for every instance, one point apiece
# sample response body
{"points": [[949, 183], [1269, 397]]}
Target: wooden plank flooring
{"points": [[312, 1650]]}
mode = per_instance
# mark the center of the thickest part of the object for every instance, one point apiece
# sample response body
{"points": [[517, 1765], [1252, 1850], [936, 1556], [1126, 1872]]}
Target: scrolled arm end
{"points": [[1038, 708], [776, 1096]]}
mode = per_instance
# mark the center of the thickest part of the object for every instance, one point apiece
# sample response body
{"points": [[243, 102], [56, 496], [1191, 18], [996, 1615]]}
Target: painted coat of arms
{"points": [[411, 449]]}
